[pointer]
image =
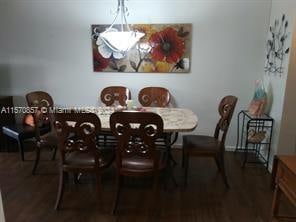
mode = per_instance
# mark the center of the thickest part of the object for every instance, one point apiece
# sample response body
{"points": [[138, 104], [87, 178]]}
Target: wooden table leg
{"points": [[276, 202]]}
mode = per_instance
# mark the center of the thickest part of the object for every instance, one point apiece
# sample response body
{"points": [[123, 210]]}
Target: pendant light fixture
{"points": [[121, 41]]}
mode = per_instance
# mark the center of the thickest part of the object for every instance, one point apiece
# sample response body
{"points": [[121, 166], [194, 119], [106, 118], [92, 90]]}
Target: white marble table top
{"points": [[174, 119]]}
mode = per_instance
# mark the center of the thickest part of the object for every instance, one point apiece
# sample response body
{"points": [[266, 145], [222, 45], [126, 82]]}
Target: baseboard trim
{"points": [[227, 148]]}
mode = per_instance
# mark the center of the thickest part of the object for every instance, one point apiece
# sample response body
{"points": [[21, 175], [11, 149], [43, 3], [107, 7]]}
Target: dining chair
{"points": [[113, 95], [136, 153], [42, 105], [159, 97], [154, 96], [211, 146], [79, 152]]}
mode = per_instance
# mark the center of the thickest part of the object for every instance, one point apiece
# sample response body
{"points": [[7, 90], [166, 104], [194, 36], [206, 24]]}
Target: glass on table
{"points": [[129, 104]]}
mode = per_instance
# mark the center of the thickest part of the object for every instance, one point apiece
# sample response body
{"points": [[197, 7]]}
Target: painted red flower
{"points": [[100, 62], [167, 45]]}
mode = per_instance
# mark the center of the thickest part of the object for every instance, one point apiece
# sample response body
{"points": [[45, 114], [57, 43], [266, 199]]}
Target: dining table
{"points": [[175, 120]]}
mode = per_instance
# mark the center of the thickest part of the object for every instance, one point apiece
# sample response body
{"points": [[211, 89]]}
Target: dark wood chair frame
{"points": [[112, 96], [42, 104], [79, 141], [217, 142], [137, 144], [154, 96], [115, 94]]}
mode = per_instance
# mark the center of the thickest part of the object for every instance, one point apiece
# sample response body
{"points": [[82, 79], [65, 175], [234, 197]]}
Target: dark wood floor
{"points": [[31, 198]]}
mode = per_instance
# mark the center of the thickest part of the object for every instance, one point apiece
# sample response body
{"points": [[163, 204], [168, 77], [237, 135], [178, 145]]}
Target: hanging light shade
{"points": [[122, 40]]}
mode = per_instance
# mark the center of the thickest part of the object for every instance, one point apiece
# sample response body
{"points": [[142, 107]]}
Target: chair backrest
{"points": [[136, 133], [154, 96], [42, 107], [39, 99], [115, 94], [77, 132], [226, 108]]}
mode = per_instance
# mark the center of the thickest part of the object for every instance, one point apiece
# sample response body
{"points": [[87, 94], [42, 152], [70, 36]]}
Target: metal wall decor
{"points": [[276, 49]]}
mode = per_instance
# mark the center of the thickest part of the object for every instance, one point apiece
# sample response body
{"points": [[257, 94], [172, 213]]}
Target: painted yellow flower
{"points": [[147, 67], [163, 67], [145, 28]]}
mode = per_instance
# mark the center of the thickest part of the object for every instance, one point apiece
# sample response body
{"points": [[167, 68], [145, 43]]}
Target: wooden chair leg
{"points": [[223, 171], [37, 158], [218, 163], [183, 157], [117, 193], [186, 166], [21, 148], [76, 178], [6, 144], [54, 153], [61, 189], [276, 202]]}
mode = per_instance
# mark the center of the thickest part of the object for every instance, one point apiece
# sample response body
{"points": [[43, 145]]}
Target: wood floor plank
{"points": [[31, 198]]}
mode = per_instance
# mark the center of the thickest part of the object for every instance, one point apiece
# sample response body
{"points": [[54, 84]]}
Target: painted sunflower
{"points": [[157, 67], [167, 46], [163, 66], [145, 28]]}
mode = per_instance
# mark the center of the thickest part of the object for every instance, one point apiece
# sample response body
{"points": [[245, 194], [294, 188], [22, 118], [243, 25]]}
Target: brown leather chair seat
{"points": [[201, 142], [87, 160], [139, 164], [49, 139]]}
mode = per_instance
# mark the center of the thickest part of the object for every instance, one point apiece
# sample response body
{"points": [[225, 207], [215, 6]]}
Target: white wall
{"points": [[46, 45], [287, 138], [278, 83]]}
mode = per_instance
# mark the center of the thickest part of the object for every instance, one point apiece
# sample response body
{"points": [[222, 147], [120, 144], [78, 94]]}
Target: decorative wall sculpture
{"points": [[276, 46], [165, 48]]}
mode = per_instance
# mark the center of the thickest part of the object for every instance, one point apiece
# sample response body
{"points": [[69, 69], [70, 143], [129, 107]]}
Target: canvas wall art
{"points": [[165, 48]]}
